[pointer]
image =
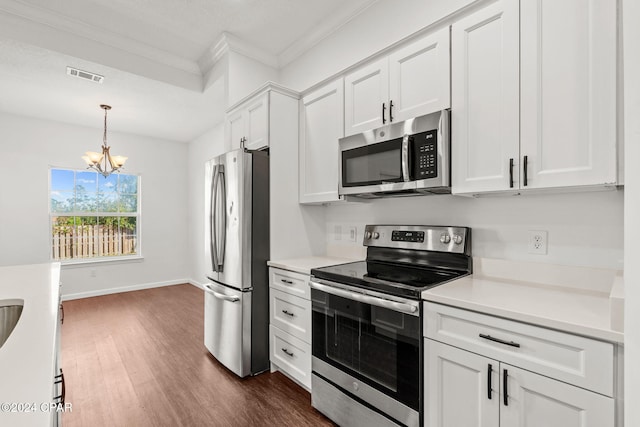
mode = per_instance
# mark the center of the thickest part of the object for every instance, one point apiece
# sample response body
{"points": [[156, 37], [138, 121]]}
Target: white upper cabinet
{"points": [[419, 77], [321, 125], [568, 92], [534, 96], [484, 101], [248, 124], [257, 128], [367, 97], [412, 81]]}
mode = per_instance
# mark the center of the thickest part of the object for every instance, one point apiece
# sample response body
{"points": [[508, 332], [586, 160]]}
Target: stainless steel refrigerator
{"points": [[236, 307]]}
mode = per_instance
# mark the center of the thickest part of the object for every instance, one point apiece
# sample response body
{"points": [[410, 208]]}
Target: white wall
{"points": [[208, 145], [631, 17], [584, 228], [29, 146], [245, 75], [377, 27]]}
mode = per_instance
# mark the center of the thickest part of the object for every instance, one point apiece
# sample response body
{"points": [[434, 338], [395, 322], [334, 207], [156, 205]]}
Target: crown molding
{"points": [[323, 30], [228, 42], [51, 23]]}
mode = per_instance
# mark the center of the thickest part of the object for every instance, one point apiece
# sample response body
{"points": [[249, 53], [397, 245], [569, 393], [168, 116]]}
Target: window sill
{"points": [[83, 262]]}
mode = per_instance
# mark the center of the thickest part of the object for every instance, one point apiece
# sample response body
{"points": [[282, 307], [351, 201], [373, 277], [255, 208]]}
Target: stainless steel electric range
{"points": [[367, 323]]}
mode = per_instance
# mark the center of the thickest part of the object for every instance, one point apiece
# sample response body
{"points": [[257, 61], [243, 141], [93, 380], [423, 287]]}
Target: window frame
{"points": [[96, 259]]}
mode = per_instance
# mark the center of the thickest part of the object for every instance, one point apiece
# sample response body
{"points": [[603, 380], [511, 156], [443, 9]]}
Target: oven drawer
{"points": [[291, 355], [289, 282], [577, 360], [291, 314]]}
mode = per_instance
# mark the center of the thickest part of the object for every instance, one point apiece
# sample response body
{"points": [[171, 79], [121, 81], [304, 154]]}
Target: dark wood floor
{"points": [[138, 359]]}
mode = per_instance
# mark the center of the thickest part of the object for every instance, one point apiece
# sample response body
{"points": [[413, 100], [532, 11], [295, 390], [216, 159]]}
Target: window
{"points": [[92, 216]]}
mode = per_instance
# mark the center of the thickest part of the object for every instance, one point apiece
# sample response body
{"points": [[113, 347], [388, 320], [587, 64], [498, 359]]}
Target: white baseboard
{"points": [[99, 292], [196, 283]]}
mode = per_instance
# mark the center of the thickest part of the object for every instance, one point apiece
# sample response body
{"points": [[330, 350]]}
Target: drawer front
{"points": [[576, 360], [290, 282], [290, 355], [291, 314]]}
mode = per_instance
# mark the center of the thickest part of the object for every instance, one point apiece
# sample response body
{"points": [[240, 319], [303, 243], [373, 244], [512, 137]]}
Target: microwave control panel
{"points": [[425, 155]]}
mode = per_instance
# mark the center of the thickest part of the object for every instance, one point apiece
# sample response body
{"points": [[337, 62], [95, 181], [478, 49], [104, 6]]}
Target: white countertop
{"points": [[304, 265], [27, 358], [571, 299]]}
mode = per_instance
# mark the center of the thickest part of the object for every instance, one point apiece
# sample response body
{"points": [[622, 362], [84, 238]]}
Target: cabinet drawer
{"points": [[291, 355], [291, 314], [570, 358], [290, 282]]}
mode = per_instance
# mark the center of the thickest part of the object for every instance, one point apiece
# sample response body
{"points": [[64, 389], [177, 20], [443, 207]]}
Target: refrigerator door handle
{"points": [[224, 218], [212, 220], [229, 298]]}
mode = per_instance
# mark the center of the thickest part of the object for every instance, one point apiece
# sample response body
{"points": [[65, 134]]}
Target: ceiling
{"points": [[154, 55]]}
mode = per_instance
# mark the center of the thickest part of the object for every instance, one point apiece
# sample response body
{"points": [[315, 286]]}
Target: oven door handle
{"points": [[367, 299]]}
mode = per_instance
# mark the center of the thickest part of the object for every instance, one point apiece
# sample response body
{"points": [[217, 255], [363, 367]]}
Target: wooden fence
{"points": [[89, 241]]}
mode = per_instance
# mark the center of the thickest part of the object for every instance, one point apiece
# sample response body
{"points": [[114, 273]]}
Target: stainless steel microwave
{"points": [[401, 159]]}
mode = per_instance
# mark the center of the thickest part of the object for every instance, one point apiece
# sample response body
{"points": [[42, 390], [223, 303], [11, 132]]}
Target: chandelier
{"points": [[104, 162]]}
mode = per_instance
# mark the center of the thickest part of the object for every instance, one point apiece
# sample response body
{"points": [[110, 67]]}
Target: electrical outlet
{"points": [[353, 233], [538, 242]]}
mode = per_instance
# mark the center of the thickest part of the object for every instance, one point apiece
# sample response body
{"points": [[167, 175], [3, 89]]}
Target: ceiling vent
{"points": [[85, 75]]}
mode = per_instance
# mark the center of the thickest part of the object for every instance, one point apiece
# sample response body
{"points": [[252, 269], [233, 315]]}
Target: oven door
{"points": [[367, 167], [369, 346]]}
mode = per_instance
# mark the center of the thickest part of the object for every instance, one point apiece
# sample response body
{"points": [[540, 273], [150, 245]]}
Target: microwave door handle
{"points": [[212, 220], [405, 158], [224, 217]]}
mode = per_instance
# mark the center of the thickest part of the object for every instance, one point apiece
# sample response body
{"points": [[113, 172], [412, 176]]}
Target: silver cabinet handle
{"points": [[366, 299], [287, 352], [229, 298]]}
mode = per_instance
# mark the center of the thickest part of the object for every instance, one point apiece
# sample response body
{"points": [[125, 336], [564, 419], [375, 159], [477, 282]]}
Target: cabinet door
{"points": [[257, 123], [321, 125], [485, 100], [234, 129], [419, 77], [534, 400], [456, 388], [367, 98], [568, 92]]}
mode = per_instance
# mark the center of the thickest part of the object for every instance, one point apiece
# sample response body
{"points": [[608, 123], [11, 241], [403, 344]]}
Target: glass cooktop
{"points": [[390, 278]]}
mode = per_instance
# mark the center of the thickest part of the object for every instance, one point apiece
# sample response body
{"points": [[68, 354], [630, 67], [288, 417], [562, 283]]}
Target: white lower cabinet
{"points": [[290, 325], [465, 387]]}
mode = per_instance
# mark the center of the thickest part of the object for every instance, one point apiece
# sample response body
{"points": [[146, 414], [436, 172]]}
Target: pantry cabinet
{"points": [[534, 96], [510, 374], [412, 81], [321, 126]]}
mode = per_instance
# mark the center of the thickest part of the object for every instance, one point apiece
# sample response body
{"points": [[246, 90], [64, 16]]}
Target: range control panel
{"points": [[425, 155], [419, 237], [407, 236]]}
